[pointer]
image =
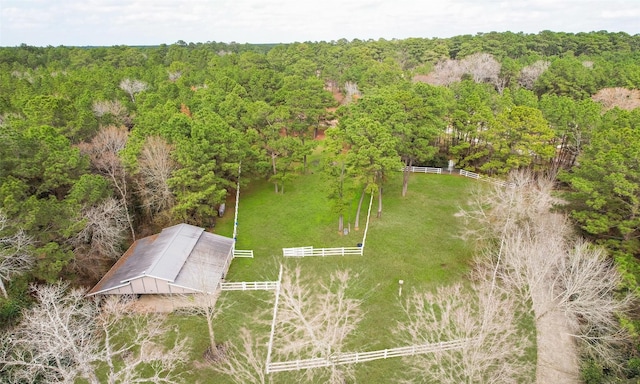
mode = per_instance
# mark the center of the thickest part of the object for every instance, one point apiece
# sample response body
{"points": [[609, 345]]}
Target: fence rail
{"points": [[423, 170], [464, 173], [242, 253], [297, 251], [249, 286], [361, 357], [311, 251], [499, 182], [487, 179], [472, 175]]}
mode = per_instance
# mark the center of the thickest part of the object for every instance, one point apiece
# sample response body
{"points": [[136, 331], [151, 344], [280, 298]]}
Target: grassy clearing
{"points": [[415, 240]]}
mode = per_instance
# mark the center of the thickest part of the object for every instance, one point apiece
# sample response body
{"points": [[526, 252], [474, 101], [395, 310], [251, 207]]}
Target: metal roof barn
{"points": [[180, 259]]}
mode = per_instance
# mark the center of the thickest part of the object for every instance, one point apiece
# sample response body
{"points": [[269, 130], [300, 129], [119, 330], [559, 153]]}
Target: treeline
{"points": [[99, 145]]}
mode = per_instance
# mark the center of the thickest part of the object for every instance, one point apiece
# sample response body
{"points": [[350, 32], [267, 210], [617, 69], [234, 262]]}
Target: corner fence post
{"points": [[235, 218], [366, 227]]}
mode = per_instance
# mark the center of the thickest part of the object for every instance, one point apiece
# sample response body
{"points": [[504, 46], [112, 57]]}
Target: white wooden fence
{"points": [[311, 251], [464, 173], [488, 179], [423, 170], [297, 251], [235, 216], [472, 175], [499, 182], [361, 357], [242, 253], [249, 286], [339, 251]]}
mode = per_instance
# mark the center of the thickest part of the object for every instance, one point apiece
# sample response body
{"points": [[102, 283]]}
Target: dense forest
{"points": [[102, 145]]}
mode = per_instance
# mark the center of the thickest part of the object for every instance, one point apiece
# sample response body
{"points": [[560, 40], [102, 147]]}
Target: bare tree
{"points": [[144, 353], [586, 290], [101, 235], [535, 254], [482, 67], [103, 151], [495, 348], [155, 167], [352, 92], [445, 72], [314, 321], [622, 98], [104, 107], [66, 337], [52, 343], [132, 87], [206, 304], [114, 108], [15, 255], [245, 362], [587, 64], [529, 74], [175, 75]]}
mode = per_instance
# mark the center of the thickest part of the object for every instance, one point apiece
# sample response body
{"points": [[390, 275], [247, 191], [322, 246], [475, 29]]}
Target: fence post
{"points": [[235, 218], [366, 227]]}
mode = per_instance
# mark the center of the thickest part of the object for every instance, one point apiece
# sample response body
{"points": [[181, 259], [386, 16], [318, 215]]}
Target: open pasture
{"points": [[416, 241]]}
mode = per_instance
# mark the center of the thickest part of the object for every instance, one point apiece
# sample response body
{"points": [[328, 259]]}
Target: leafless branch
{"points": [[66, 337], [445, 72], [586, 290], [155, 167], [622, 98], [103, 151], [245, 362], [132, 87], [101, 235], [534, 253], [315, 321], [15, 255], [207, 305], [352, 92], [495, 352], [111, 107], [529, 74], [482, 67], [173, 76]]}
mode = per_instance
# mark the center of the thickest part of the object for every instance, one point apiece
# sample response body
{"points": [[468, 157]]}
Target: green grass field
{"points": [[416, 241]]}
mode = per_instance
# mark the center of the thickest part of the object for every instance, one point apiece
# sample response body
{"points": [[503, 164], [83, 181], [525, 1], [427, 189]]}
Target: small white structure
{"points": [[181, 259]]}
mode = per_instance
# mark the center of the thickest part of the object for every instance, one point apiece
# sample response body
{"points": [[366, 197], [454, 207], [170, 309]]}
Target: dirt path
{"points": [[557, 357]]}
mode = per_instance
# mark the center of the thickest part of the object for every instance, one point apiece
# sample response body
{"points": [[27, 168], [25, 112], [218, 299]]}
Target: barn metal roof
{"points": [[183, 254], [206, 263]]}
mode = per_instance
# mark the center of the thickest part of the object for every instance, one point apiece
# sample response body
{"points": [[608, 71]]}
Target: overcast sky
{"points": [[151, 22]]}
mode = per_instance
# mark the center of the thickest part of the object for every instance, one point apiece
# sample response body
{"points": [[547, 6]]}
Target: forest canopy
{"points": [[102, 145]]}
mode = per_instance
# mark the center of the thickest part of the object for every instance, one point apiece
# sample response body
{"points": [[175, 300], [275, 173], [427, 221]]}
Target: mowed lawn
{"points": [[416, 240]]}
